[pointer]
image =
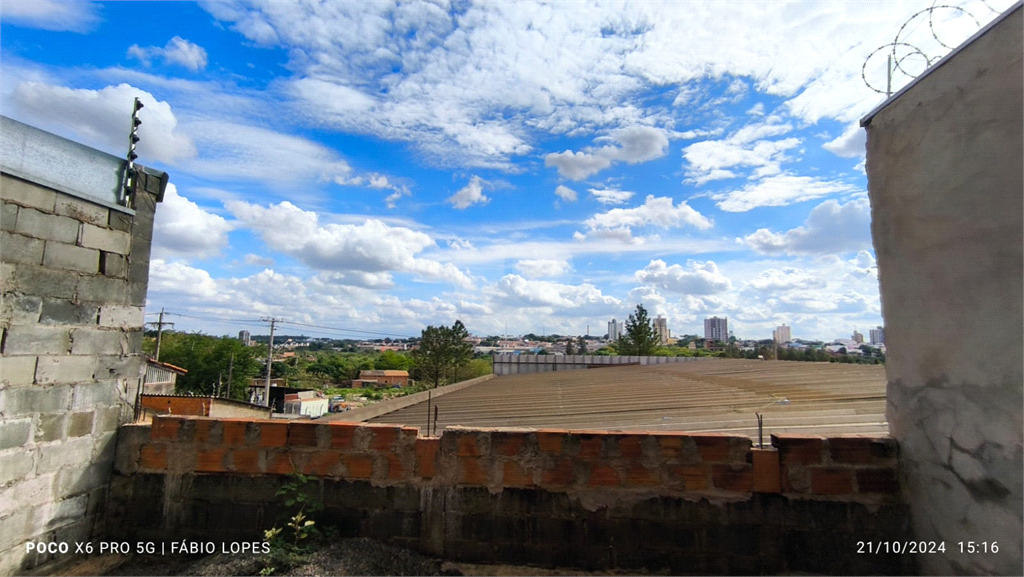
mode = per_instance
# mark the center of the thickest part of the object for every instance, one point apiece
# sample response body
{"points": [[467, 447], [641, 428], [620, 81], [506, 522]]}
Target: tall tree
{"points": [[569, 348], [443, 350], [639, 338], [460, 352], [581, 346]]}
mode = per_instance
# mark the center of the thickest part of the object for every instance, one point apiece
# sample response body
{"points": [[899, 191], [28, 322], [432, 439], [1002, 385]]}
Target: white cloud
{"points": [[565, 193], [56, 15], [257, 260], [633, 145], [183, 229], [787, 278], [655, 211], [177, 51], [100, 118], [542, 268], [698, 278], [829, 229], [747, 147], [353, 250], [779, 190], [850, 144], [611, 195], [469, 195], [514, 290]]}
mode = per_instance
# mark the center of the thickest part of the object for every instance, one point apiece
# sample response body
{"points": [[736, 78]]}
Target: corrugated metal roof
{"points": [[718, 395]]}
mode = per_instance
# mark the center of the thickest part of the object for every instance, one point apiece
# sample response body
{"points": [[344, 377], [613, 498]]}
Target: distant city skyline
{"points": [[382, 167]]}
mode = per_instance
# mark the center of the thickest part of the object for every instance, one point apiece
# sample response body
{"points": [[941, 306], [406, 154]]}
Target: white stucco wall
{"points": [[944, 164]]}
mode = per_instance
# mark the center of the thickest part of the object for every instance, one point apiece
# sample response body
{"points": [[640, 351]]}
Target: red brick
{"points": [[855, 450], [712, 448], [767, 472], [358, 466], [426, 454], [733, 478], [396, 470], [794, 478], [550, 441], [466, 445], [877, 481], [472, 471], [342, 435], [831, 481], [321, 463], [639, 476], [561, 475], [629, 446], [165, 429], [302, 434], [798, 449], [384, 437], [694, 477], [514, 476], [603, 476], [671, 446], [591, 446], [273, 434], [153, 457], [507, 444], [279, 464], [234, 432], [203, 430], [245, 461], [211, 460]]}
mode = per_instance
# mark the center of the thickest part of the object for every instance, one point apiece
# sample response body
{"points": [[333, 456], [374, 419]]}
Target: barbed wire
{"points": [[911, 50]]}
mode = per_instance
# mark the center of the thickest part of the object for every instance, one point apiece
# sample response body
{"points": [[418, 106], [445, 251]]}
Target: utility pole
{"points": [[159, 332], [231, 366], [270, 358]]}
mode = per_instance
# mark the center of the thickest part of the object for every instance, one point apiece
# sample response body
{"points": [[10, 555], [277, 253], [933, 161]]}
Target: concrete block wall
{"points": [[945, 166], [74, 277], [588, 499]]}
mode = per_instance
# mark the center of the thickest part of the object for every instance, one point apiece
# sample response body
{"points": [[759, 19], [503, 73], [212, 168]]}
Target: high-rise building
{"points": [[716, 329], [244, 337], [877, 336], [661, 330], [614, 330], [782, 335], [858, 337]]}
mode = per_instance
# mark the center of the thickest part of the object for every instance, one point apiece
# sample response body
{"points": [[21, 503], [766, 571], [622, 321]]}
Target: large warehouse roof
{"points": [[715, 395]]}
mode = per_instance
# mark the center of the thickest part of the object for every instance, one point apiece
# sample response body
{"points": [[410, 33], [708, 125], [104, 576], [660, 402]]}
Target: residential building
{"points": [[716, 329], [614, 330], [245, 337], [857, 337], [384, 378], [877, 336], [661, 330], [160, 378], [782, 335]]}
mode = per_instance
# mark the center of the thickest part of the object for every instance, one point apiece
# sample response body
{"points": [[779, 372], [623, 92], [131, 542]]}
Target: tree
{"points": [[208, 360], [569, 348], [639, 338], [581, 345], [443, 350]]}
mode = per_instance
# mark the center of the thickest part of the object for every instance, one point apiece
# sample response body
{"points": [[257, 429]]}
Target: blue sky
{"points": [[545, 167]]}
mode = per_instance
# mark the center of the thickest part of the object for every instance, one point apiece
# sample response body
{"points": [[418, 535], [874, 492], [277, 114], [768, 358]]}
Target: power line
{"points": [[347, 330], [159, 327]]}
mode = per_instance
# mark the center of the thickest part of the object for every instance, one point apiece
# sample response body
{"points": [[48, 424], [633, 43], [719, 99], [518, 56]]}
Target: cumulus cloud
{"points": [[182, 228], [99, 118], [611, 195], [655, 211], [747, 147], [514, 290], [177, 51], [55, 15], [779, 190], [257, 260], [697, 278], [633, 145], [830, 228], [353, 250], [565, 193], [542, 268], [850, 144], [469, 195]]}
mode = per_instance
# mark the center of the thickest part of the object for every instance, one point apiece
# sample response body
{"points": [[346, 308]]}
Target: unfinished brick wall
{"points": [[589, 499], [74, 275]]}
